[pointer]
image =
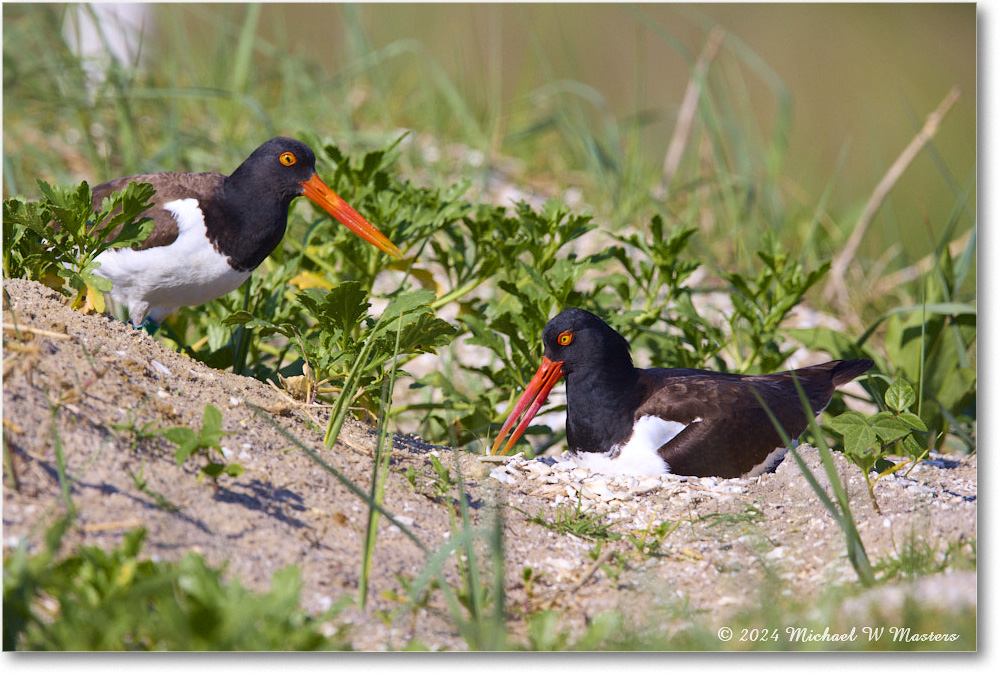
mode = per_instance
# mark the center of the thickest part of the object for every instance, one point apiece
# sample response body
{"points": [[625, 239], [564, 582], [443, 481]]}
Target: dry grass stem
{"points": [[36, 331], [689, 106], [836, 289], [578, 584], [890, 282], [113, 525]]}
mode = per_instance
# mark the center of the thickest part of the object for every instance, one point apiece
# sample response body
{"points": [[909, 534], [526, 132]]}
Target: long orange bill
{"points": [[541, 384], [318, 191]]}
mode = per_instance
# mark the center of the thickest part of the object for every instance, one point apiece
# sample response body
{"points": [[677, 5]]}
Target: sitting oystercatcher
{"points": [[211, 231], [626, 420]]}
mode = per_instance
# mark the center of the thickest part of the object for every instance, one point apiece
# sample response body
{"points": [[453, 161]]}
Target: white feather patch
{"points": [[156, 281], [770, 462], [638, 456]]}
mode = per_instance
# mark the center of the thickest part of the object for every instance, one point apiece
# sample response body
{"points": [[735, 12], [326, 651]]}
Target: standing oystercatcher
{"points": [[211, 231], [626, 420]]}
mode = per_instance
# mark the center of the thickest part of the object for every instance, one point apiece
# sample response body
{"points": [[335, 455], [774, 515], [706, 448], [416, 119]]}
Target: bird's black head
{"points": [[580, 339], [278, 167], [263, 187], [592, 356]]}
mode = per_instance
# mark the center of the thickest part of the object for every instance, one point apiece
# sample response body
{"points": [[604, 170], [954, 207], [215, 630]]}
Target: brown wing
{"points": [[734, 433], [169, 187]]}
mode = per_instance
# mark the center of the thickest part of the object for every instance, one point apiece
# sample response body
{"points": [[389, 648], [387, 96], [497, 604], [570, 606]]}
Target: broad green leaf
{"points": [[133, 232], [342, 307], [425, 335], [213, 469], [179, 435], [211, 422], [912, 447], [900, 395], [185, 448], [238, 318], [96, 282], [887, 427], [912, 421], [406, 302], [242, 318], [858, 435]]}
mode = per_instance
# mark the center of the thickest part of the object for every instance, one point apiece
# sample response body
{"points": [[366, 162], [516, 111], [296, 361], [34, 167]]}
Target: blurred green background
{"points": [[583, 95], [861, 77]]}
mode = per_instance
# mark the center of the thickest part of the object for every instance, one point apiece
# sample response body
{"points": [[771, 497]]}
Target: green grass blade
{"points": [[242, 62], [344, 480], [842, 515], [472, 565], [242, 336], [65, 486], [964, 263], [340, 409], [380, 471], [946, 308]]}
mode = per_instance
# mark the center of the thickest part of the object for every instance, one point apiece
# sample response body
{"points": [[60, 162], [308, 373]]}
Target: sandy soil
{"points": [[76, 377]]}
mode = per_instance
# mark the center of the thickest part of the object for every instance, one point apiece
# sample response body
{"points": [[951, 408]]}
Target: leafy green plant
{"points": [[587, 524], [931, 343], [142, 485], [546, 635], [869, 439], [648, 542], [521, 252], [751, 514], [656, 270], [350, 350], [130, 428], [61, 235], [98, 600], [611, 562], [443, 483], [190, 442], [917, 557], [762, 302]]}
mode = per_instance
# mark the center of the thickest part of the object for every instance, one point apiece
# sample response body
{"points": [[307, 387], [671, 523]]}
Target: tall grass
{"points": [[212, 87]]}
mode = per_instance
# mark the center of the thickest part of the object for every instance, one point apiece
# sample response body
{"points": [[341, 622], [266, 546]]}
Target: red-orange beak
{"points": [[318, 191], [541, 384]]}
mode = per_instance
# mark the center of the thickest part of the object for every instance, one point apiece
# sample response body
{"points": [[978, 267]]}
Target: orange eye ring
{"points": [[565, 337], [287, 158]]}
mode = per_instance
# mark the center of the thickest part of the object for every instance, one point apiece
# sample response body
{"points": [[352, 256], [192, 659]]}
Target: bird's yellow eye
{"points": [[565, 338], [287, 158]]}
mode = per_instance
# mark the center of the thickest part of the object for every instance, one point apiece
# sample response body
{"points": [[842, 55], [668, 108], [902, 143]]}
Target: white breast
{"points": [[638, 456], [156, 281]]}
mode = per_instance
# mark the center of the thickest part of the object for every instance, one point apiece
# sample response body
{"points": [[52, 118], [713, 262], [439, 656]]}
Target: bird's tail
{"points": [[845, 371]]}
